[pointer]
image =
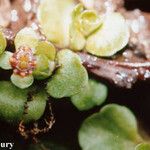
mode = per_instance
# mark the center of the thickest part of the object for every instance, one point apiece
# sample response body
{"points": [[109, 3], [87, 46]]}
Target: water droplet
{"points": [[14, 15], [147, 74], [27, 5], [34, 26]]}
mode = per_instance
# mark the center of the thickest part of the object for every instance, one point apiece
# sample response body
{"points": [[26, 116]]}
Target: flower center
{"points": [[23, 61]]}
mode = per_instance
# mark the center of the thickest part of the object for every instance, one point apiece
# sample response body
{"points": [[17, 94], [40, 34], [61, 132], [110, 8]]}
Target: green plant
{"points": [[47, 69], [113, 128]]}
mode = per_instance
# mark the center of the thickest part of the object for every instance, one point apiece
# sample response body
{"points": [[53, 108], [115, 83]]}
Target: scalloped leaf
{"points": [[36, 106], [26, 37], [22, 82], [44, 67], [47, 49], [12, 101], [110, 38], [113, 128], [94, 95], [70, 78], [55, 18], [3, 43], [4, 60]]}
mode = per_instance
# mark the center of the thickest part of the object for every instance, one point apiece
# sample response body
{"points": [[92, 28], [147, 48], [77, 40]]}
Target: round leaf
{"points": [[3, 43], [26, 37], [44, 67], [88, 21], [47, 49], [5, 60], [12, 100], [55, 18], [113, 128], [93, 95], [110, 38], [36, 106], [70, 78], [22, 82]]}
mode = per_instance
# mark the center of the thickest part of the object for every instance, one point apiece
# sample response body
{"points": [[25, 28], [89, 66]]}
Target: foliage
{"points": [[93, 95], [70, 78], [113, 128], [13, 101], [67, 28]]}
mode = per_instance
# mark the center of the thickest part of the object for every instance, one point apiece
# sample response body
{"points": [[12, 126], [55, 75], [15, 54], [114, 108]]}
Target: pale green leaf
{"points": [[77, 40], [26, 37], [3, 43], [44, 67], [88, 22], [110, 38], [47, 49], [55, 17], [5, 60], [22, 82]]}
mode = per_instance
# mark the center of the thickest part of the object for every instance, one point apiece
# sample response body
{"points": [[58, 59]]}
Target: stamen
{"points": [[23, 61]]}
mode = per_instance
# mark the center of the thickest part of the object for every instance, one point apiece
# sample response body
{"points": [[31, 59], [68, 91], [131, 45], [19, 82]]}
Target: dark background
{"points": [[142, 4]]}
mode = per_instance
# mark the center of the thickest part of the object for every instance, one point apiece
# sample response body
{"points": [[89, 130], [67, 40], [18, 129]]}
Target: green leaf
{"points": [[77, 40], [78, 9], [94, 95], [143, 146], [83, 24], [44, 67], [110, 38], [55, 17], [70, 78], [36, 106], [47, 49], [4, 60], [3, 43], [12, 101], [26, 37], [22, 82], [113, 128], [88, 21]]}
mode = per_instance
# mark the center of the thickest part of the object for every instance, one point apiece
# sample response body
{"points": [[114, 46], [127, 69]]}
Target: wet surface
{"points": [[133, 62], [123, 74], [18, 13]]}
